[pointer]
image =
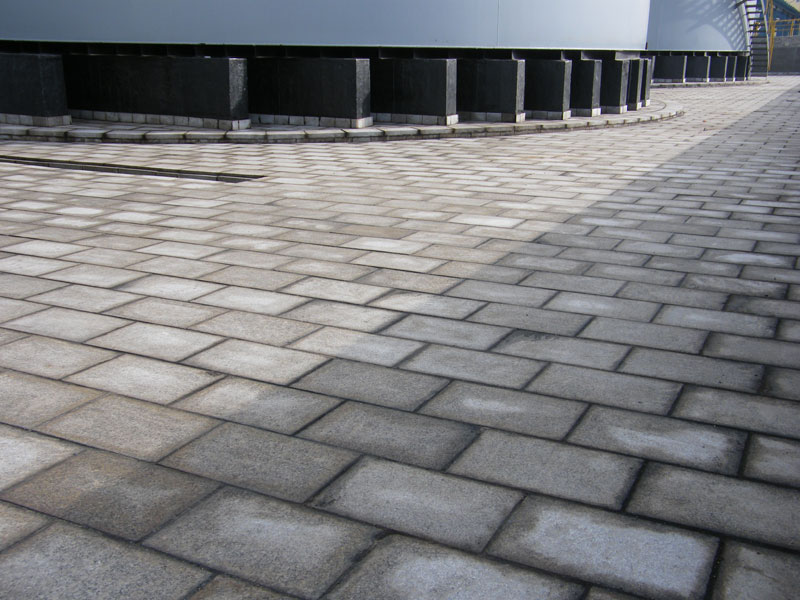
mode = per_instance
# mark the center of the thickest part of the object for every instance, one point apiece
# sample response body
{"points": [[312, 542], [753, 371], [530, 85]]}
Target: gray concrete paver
{"points": [[645, 275]]}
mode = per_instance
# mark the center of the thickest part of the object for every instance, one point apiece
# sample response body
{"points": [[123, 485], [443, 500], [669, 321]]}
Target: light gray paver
{"points": [[280, 545], [270, 463], [552, 348], [227, 588], [165, 312], [131, 427], [549, 467], [64, 561], [755, 511], [29, 400], [357, 345], [112, 493], [603, 306], [716, 321], [12, 309], [174, 288], [773, 459], [49, 357], [784, 383], [660, 438], [25, 453], [532, 319], [645, 334], [429, 304], [94, 275], [752, 573], [259, 301], [82, 297], [21, 286], [278, 408], [613, 389], [264, 329], [397, 435], [447, 331], [521, 412], [637, 556], [399, 568], [167, 343], [501, 292], [444, 508], [17, 523], [66, 324], [771, 352]]}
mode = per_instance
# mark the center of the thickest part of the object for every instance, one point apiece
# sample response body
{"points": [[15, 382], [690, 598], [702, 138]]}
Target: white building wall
{"points": [[561, 24], [696, 25]]}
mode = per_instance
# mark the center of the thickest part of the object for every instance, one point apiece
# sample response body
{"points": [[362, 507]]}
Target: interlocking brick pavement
{"points": [[558, 366]]}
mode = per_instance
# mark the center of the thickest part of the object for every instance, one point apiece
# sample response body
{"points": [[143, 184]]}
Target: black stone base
{"points": [[647, 79], [491, 89], [32, 89], [670, 69], [635, 74], [730, 71], [548, 85], [718, 69], [614, 86], [198, 87], [419, 90], [697, 68], [585, 88], [742, 68], [329, 88]]}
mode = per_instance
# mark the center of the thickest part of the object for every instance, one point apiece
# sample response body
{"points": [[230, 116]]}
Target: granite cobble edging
{"points": [[93, 131]]}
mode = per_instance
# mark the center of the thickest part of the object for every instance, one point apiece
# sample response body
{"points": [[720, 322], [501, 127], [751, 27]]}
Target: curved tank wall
{"points": [[540, 24], [696, 25]]}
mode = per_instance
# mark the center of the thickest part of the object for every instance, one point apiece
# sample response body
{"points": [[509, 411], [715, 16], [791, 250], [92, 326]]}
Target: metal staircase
{"points": [[759, 18]]}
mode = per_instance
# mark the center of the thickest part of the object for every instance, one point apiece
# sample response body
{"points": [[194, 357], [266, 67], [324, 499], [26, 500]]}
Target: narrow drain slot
{"points": [[105, 168]]}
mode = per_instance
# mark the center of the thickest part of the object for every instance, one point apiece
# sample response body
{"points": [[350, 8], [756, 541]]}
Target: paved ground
{"points": [[561, 366]]}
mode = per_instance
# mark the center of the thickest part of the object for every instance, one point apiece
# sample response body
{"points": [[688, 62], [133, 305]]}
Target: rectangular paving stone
{"points": [[603, 306], [521, 412], [640, 274], [549, 467], [82, 297], [649, 559], [755, 572], [66, 324], [167, 343], [257, 260], [258, 301], [266, 462], [693, 369], [177, 267], [257, 361], [694, 266], [786, 309], [784, 383], [12, 309], [107, 257], [553, 348], [43, 248], [713, 320], [447, 331], [278, 408], [573, 283], [401, 568], [132, 427], [165, 312], [674, 295], [771, 352], [660, 438], [342, 291], [144, 378], [17, 523], [749, 272], [471, 365], [645, 334], [613, 389], [327, 268], [358, 345], [175, 288], [419, 282], [28, 400], [501, 292], [532, 319], [25, 453], [731, 285], [112, 493], [481, 272], [264, 329], [773, 459], [286, 547], [339, 314], [429, 304], [544, 263], [31, 265], [443, 508], [397, 435], [745, 509], [21, 286], [94, 275], [223, 588], [750, 258], [404, 262], [64, 561], [262, 279], [49, 357], [180, 250], [372, 384]]}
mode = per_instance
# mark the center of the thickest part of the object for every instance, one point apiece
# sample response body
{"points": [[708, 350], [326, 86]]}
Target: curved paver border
{"points": [[93, 132]]}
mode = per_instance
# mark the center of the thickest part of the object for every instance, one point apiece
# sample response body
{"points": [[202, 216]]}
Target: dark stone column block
{"points": [[585, 91], [730, 71], [647, 79], [635, 74], [311, 91], [697, 68], [742, 68], [209, 91], [670, 69], [614, 86], [418, 90], [718, 68], [491, 89], [548, 85], [32, 90]]}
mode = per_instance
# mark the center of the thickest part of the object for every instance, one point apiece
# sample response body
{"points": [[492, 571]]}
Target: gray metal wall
{"points": [[562, 24], [696, 25]]}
